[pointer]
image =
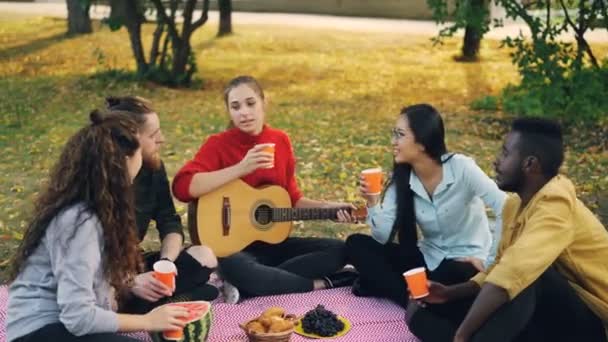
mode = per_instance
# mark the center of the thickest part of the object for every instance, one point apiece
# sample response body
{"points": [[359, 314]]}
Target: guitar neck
{"points": [[304, 214]]}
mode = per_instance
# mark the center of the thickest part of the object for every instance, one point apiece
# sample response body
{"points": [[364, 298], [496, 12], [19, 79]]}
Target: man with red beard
{"points": [[153, 201]]}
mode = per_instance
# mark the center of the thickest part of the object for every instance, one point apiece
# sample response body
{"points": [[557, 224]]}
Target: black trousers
{"points": [[190, 273], [381, 268], [548, 310], [58, 332], [191, 277], [264, 269]]}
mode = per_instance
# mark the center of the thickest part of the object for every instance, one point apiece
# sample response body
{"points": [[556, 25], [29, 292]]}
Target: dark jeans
{"points": [[381, 268], [547, 310], [264, 269], [58, 332], [191, 276]]}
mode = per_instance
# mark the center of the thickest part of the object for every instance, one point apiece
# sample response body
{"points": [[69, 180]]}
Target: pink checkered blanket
{"points": [[373, 320]]}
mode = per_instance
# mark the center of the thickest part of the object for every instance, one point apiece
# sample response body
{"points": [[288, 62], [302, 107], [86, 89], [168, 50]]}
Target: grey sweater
{"points": [[63, 280]]}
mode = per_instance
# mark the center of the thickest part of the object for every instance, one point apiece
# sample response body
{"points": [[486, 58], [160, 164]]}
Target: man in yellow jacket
{"points": [[550, 278]]}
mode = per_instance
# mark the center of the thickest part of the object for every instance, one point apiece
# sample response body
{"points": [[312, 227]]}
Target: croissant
{"points": [[280, 325], [274, 311], [255, 327]]}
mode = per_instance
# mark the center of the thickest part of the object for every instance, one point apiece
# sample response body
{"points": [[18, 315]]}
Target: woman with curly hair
{"points": [[80, 247]]}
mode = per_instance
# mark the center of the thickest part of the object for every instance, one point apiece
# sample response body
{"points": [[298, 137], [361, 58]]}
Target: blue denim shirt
{"points": [[454, 222]]}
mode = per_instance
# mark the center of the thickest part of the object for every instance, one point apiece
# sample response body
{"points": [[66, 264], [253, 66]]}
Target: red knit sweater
{"points": [[230, 147]]}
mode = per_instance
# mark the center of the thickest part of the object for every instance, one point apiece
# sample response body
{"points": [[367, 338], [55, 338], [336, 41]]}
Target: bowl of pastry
{"points": [[273, 325]]}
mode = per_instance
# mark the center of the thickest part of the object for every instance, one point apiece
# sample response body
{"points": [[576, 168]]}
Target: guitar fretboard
{"points": [[302, 214]]}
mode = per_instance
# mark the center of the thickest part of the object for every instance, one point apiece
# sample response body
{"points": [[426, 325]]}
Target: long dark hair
{"points": [[427, 127], [92, 170]]}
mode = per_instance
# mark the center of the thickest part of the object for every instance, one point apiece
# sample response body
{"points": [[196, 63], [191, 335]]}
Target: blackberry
{"points": [[322, 322]]}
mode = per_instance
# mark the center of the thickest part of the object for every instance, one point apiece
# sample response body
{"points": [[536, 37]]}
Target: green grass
{"points": [[336, 93]]}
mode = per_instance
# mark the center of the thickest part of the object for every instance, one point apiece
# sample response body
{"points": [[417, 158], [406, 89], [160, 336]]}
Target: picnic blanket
{"points": [[373, 320]]}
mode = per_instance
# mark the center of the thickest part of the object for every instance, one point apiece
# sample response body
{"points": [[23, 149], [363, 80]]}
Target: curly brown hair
{"points": [[92, 171]]}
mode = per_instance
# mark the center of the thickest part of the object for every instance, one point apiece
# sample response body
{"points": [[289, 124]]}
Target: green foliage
{"points": [[559, 79], [169, 41], [337, 110], [465, 13], [489, 103], [580, 96]]}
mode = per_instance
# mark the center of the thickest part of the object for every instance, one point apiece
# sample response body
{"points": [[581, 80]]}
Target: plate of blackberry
{"points": [[320, 323]]}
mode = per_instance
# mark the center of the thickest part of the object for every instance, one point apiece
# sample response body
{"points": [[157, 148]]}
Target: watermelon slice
{"points": [[198, 321], [196, 310]]}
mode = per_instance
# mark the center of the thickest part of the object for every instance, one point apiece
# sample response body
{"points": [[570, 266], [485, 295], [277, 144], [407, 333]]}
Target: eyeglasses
{"points": [[397, 134]]}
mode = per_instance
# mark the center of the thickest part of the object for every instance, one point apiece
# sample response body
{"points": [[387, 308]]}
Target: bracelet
{"points": [[165, 258]]}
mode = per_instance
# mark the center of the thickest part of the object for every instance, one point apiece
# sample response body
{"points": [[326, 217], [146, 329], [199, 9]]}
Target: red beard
{"points": [[152, 162]]}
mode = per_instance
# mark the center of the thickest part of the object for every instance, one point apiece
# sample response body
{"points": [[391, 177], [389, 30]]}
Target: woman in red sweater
{"points": [[295, 265]]}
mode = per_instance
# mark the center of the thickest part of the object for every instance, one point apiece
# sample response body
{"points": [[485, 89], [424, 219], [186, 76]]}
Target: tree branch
{"points": [[604, 11], [204, 16], [567, 16], [579, 32], [170, 21], [187, 14], [163, 56], [521, 11], [548, 20], [158, 33]]}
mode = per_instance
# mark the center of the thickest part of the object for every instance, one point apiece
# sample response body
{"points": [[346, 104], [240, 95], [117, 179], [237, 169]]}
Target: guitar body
{"points": [[231, 217]]}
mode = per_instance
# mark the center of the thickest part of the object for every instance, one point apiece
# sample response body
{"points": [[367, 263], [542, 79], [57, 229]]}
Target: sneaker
{"points": [[340, 279], [359, 290], [231, 293]]}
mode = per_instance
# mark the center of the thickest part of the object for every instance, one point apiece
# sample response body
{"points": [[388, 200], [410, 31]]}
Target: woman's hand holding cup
{"points": [[258, 157], [370, 185]]}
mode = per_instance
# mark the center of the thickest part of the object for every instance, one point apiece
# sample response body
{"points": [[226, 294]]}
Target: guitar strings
{"points": [[265, 214]]}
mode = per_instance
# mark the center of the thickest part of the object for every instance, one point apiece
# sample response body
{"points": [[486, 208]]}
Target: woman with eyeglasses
{"points": [[440, 193]]}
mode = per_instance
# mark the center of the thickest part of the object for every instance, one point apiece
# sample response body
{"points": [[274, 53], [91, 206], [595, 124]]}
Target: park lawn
{"points": [[336, 93]]}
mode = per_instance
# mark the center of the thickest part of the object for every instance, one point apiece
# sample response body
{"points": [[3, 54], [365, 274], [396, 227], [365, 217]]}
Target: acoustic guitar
{"points": [[233, 216]]}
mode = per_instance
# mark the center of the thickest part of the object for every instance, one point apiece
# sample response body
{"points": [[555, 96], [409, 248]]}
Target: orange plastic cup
{"points": [[416, 282], [173, 335], [269, 148], [373, 178], [165, 271]]}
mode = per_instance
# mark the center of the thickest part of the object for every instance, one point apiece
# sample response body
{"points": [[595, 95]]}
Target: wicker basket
{"points": [[283, 336]]}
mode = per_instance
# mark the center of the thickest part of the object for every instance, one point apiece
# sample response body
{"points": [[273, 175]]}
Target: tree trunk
{"points": [[471, 43], [79, 21], [180, 75], [133, 20], [225, 7], [473, 30]]}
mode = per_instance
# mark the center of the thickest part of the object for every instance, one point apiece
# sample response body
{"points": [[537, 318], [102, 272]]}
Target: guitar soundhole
{"points": [[263, 214]]}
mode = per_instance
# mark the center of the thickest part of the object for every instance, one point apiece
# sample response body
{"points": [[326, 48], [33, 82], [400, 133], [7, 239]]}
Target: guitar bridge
{"points": [[226, 216]]}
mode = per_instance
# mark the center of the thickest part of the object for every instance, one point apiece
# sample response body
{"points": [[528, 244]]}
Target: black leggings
{"points": [[263, 269], [381, 267], [190, 273], [547, 310], [58, 332], [192, 276]]}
